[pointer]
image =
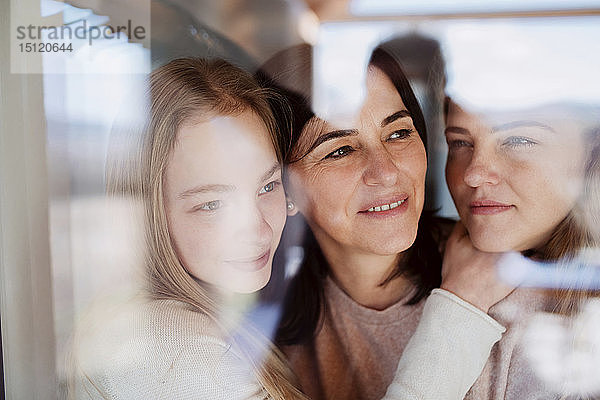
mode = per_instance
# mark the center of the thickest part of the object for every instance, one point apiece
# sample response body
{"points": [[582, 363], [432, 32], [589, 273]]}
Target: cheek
{"points": [[322, 189], [412, 161], [191, 246], [454, 172], [457, 187], [273, 209], [549, 178], [451, 175], [421, 166], [570, 175], [555, 193]]}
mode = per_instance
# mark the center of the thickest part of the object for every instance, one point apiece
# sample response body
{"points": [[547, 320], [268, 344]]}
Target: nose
{"points": [[381, 169], [251, 225], [482, 170]]}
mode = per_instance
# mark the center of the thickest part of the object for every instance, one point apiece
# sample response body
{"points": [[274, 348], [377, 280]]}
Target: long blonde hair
{"points": [[188, 90]]}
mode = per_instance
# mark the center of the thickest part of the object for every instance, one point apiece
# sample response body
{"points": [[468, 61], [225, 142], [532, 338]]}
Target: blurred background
{"points": [[63, 245]]}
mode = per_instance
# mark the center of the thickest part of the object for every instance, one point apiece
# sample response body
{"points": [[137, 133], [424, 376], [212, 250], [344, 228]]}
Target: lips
{"points": [[385, 206], [488, 207], [251, 263]]}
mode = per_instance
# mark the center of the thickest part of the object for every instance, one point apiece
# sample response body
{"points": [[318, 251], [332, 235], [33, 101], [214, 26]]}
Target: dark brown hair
{"points": [[290, 73]]}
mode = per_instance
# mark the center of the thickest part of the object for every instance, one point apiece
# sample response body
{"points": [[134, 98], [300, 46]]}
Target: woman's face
{"points": [[361, 186], [513, 178], [224, 201]]}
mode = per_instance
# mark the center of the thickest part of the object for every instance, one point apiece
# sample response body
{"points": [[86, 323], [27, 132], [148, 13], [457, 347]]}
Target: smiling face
{"points": [[224, 201], [361, 187], [513, 178]]}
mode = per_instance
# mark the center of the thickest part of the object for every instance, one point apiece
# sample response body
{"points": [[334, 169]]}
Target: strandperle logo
{"points": [[83, 31], [56, 37]]}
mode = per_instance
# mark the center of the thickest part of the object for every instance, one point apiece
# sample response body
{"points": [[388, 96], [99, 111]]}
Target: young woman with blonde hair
{"points": [[206, 172]]}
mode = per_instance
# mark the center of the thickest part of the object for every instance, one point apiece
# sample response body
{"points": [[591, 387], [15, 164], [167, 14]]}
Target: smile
{"points": [[251, 264], [385, 207]]}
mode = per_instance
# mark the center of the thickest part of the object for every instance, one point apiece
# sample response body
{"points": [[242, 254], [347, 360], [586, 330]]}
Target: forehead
{"points": [[558, 119], [213, 132], [380, 87], [221, 148], [382, 99]]}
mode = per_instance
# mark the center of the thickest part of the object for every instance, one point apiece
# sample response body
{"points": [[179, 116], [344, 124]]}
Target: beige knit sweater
{"points": [[508, 373], [357, 349], [356, 352]]}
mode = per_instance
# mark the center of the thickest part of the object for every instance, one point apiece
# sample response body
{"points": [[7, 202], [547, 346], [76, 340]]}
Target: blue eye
{"points": [[401, 134], [518, 141], [341, 152], [210, 205], [269, 187]]}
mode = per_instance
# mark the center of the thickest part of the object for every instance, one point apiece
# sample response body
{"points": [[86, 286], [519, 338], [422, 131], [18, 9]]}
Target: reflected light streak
{"points": [[579, 273], [564, 353]]}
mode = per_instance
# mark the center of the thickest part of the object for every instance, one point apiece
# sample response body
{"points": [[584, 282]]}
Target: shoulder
{"points": [[120, 336], [511, 359], [145, 320], [520, 306], [162, 349], [176, 319]]}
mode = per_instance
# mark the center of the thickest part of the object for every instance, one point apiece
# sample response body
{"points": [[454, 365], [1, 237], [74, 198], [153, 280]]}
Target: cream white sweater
{"points": [[447, 352], [164, 350], [160, 350]]}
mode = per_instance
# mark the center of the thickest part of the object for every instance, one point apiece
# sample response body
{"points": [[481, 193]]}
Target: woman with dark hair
{"points": [[371, 258]]}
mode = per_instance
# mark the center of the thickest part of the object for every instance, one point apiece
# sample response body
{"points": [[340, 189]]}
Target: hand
{"points": [[471, 274]]}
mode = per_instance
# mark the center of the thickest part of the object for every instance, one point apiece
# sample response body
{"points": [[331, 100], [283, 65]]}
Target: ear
{"points": [[291, 207]]}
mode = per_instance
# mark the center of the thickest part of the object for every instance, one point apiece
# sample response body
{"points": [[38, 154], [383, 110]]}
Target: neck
{"points": [[231, 306], [360, 276]]}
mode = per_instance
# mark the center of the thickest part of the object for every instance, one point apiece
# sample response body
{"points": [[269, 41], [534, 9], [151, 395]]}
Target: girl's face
{"points": [[361, 187], [224, 201], [513, 178]]}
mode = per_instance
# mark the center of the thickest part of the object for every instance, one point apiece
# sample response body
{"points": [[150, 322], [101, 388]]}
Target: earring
{"points": [[290, 205]]}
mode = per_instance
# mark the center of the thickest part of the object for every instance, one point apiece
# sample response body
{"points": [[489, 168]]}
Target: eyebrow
{"points": [[503, 127], [456, 129], [332, 135], [394, 117], [522, 124], [217, 188], [271, 171], [352, 132], [212, 188]]}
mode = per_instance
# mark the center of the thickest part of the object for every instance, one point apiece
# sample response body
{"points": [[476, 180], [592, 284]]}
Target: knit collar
{"points": [[340, 305]]}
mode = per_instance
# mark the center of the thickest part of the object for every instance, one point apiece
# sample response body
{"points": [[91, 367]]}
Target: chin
{"points": [[490, 243], [250, 284], [402, 241]]}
